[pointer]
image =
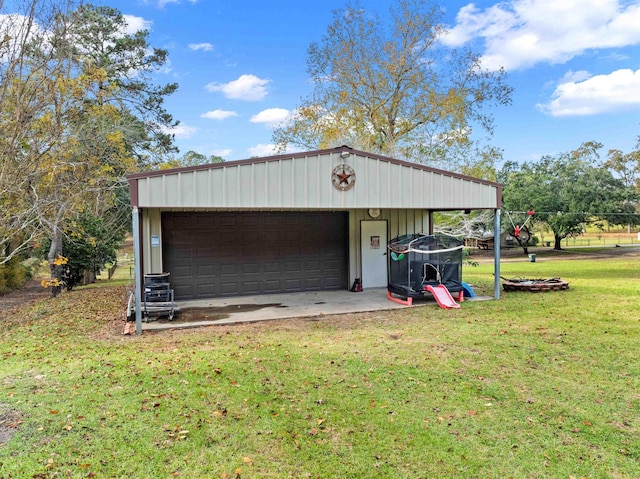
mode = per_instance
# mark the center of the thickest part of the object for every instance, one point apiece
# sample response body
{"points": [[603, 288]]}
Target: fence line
{"points": [[604, 241]]}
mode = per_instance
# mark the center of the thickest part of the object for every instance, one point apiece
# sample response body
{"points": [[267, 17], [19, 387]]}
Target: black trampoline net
{"points": [[417, 260]]}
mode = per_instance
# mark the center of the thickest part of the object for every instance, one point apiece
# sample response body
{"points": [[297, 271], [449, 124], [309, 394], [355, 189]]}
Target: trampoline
{"points": [[421, 265]]}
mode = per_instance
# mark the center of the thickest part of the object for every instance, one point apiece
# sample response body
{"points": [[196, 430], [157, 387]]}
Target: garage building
{"points": [[297, 222]]}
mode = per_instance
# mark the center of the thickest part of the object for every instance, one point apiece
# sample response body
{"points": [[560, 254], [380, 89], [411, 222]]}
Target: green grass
{"points": [[122, 276], [536, 385]]}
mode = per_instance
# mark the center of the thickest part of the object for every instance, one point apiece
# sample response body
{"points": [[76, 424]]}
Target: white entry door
{"points": [[373, 247]]}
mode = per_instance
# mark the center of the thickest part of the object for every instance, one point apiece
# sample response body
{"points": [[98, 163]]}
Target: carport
{"points": [[297, 223]]}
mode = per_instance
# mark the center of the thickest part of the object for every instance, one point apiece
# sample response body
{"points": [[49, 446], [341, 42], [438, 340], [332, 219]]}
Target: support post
{"points": [[496, 254], [135, 217]]}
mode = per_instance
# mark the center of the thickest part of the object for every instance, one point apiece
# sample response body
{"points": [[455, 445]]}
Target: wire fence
{"points": [[609, 240]]}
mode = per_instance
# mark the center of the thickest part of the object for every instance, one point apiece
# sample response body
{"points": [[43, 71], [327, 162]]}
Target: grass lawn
{"points": [[536, 385]]}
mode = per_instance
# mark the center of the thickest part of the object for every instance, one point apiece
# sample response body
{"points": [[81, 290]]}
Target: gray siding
{"points": [[304, 182]]}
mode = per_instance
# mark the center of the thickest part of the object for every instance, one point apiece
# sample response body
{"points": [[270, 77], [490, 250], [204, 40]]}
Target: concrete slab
{"points": [[224, 311]]}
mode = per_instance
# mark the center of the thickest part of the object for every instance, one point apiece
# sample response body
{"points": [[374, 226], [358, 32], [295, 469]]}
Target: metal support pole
{"points": [[137, 267], [496, 254]]}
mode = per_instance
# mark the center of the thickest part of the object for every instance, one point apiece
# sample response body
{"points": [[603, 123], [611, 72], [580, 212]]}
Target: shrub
{"points": [[13, 274], [87, 245]]}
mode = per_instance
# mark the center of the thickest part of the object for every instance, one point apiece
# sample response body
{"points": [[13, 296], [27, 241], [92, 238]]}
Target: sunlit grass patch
{"points": [[533, 385]]}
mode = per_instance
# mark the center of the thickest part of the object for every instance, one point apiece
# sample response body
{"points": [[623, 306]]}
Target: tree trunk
{"points": [[524, 243], [558, 239], [55, 251], [89, 277]]}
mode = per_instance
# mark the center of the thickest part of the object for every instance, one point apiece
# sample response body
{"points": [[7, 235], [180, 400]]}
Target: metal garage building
{"points": [[298, 222]]}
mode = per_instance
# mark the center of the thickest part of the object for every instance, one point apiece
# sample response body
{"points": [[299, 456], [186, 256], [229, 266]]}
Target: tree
{"points": [[79, 112], [88, 246], [463, 224], [83, 169], [99, 40], [567, 191], [191, 158], [393, 88], [627, 167], [30, 93]]}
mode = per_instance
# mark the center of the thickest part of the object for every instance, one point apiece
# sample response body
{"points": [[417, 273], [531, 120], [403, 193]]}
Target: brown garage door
{"points": [[233, 254]]}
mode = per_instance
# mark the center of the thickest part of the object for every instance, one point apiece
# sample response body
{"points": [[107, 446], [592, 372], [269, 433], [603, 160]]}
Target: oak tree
{"points": [[568, 191], [389, 85]]}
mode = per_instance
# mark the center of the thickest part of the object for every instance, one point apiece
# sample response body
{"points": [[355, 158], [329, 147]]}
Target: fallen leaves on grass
{"points": [[86, 309], [238, 471], [176, 433]]}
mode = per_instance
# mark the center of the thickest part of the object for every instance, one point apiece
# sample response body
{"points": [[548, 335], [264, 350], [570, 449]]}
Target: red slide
{"points": [[443, 296]]}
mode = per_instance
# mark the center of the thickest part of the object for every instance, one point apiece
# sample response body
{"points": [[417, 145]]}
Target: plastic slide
{"points": [[468, 290], [443, 296]]}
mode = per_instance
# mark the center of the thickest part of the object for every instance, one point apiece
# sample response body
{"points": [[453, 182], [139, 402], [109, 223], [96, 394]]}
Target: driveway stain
{"points": [[215, 313]]}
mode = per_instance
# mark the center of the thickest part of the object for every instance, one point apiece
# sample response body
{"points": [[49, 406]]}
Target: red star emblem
{"points": [[344, 177]]}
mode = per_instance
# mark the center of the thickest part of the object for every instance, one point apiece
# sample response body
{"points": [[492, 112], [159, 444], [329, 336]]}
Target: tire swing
{"points": [[521, 231]]}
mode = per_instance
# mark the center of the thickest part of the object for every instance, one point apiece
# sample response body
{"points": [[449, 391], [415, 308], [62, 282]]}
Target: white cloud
{"points": [[206, 47], [574, 77], [17, 29], [521, 33], [615, 56], [167, 67], [619, 90], [218, 114], [135, 24], [262, 149], [181, 131], [222, 153], [246, 87], [164, 3], [271, 116]]}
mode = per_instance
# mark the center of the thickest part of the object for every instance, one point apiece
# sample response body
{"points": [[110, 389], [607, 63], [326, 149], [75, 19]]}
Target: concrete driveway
{"points": [[224, 311]]}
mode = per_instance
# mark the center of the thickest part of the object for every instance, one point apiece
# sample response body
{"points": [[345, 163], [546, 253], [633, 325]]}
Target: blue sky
{"points": [[241, 66]]}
